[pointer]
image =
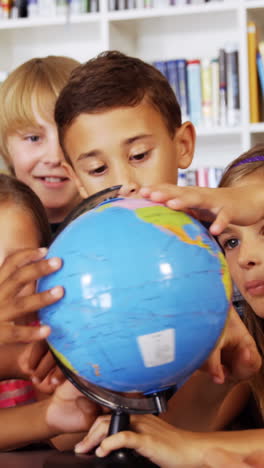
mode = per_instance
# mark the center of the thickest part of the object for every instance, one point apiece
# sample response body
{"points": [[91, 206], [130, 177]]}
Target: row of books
{"points": [[204, 177], [45, 8], [208, 89], [255, 73], [129, 4]]}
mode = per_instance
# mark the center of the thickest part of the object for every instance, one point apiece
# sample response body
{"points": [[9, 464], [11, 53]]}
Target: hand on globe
{"points": [[236, 357], [221, 206], [18, 270], [37, 363]]}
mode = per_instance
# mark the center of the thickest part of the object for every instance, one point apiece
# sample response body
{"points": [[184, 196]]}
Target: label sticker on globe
{"points": [[157, 348]]}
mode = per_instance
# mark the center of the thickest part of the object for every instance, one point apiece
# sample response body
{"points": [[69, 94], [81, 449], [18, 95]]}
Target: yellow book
{"points": [[252, 71]]}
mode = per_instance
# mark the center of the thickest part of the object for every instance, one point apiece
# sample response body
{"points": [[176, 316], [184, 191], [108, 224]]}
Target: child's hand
{"points": [[153, 438], [165, 445], [37, 362], [236, 356], [236, 205], [19, 270], [70, 411]]}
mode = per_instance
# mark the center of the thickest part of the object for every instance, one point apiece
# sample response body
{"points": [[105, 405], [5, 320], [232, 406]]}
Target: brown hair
{"points": [[113, 80], [237, 170], [34, 85], [14, 191]]}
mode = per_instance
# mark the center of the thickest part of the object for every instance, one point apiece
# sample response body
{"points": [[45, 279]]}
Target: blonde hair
{"points": [[33, 86], [241, 167]]}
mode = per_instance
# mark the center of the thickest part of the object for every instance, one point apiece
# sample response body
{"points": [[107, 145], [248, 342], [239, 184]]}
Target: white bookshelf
{"points": [[191, 31]]}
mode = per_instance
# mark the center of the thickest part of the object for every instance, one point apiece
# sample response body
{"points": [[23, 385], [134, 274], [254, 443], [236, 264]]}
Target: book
{"points": [[252, 72], [222, 88], [206, 81], [172, 76], [215, 91], [232, 80], [183, 91], [260, 68], [194, 91]]}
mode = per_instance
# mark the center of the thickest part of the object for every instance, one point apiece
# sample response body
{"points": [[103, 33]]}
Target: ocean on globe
{"points": [[147, 294]]}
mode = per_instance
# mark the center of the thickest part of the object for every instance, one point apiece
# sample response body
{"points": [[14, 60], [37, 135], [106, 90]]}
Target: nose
{"points": [[129, 189], [126, 178], [248, 256], [54, 155]]}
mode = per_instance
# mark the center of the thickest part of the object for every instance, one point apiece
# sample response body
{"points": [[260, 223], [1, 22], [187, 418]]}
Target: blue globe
{"points": [[147, 294]]}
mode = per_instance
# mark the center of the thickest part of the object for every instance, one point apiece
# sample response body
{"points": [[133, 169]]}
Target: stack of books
{"points": [[204, 177], [129, 4], [208, 89]]}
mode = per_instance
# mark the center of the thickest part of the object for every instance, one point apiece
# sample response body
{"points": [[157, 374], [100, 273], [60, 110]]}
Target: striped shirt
{"points": [[16, 392]]}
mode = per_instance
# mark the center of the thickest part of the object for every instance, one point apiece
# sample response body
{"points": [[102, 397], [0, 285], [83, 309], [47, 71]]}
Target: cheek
{"points": [[22, 159]]}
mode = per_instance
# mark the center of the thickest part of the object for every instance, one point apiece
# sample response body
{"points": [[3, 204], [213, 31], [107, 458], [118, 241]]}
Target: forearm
{"points": [[239, 442], [197, 404], [9, 355], [24, 425]]}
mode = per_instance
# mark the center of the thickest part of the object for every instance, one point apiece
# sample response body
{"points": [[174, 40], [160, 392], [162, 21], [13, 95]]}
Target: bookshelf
{"points": [[165, 33]]}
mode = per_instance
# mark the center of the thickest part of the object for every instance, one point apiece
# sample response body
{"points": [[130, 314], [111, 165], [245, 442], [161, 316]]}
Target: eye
{"points": [[139, 157], [98, 170], [33, 138], [230, 244]]}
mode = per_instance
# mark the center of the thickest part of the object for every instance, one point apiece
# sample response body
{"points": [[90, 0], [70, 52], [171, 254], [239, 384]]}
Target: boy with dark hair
{"points": [[119, 123]]}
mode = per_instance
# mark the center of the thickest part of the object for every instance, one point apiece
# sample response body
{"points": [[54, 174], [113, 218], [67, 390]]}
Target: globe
{"points": [[147, 295]]}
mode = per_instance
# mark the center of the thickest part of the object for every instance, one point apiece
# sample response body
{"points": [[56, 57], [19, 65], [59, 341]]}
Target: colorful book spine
{"points": [[260, 67], [172, 76], [183, 88], [194, 91], [252, 71]]}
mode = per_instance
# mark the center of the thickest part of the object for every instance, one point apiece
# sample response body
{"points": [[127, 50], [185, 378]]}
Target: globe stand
{"points": [[121, 407]]}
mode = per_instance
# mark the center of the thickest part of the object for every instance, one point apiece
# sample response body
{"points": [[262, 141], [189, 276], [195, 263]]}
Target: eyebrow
{"points": [[227, 230], [96, 152]]}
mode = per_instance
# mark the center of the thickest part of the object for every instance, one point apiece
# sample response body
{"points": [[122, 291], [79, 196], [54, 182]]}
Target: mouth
{"points": [[255, 288], [52, 179]]}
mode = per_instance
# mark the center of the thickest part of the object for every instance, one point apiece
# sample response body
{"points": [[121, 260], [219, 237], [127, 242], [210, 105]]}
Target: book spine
{"points": [[252, 70], [194, 91], [232, 78], [161, 66], [222, 88], [183, 87], [260, 67], [215, 91], [206, 80], [171, 73]]}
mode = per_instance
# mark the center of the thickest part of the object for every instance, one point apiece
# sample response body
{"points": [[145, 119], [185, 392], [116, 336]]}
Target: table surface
{"points": [[42, 459], [53, 459]]}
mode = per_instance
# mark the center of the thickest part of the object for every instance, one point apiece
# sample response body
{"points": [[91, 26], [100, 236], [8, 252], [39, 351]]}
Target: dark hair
{"points": [[14, 191], [113, 80]]}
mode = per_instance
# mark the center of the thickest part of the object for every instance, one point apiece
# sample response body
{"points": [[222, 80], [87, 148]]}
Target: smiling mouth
{"points": [[54, 180]]}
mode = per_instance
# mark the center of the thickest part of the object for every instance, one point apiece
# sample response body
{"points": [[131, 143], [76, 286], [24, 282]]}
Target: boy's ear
{"points": [[185, 138], [72, 175]]}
